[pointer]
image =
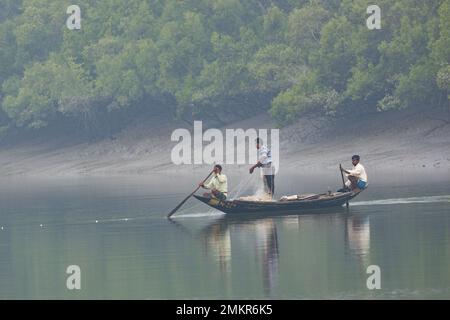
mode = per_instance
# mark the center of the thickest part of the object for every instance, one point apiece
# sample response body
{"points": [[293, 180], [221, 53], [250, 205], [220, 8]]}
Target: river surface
{"points": [[116, 232]]}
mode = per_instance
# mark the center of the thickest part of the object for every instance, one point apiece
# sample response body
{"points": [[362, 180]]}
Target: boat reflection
{"points": [[260, 235], [258, 239], [267, 238], [357, 236], [217, 240]]}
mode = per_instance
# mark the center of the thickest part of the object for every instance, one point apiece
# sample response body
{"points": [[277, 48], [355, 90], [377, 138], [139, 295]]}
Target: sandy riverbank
{"points": [[405, 141]]}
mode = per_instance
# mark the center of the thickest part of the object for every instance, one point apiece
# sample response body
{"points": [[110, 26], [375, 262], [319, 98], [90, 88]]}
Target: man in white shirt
{"points": [[357, 177], [217, 184], [267, 169]]}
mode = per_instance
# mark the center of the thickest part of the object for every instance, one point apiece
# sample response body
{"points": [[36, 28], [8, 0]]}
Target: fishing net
{"points": [[250, 188]]}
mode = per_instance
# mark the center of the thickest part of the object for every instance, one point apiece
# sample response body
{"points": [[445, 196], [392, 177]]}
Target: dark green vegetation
{"points": [[199, 57]]}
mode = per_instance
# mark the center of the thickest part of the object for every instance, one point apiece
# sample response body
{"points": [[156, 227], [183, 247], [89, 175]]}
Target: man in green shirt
{"points": [[217, 184]]}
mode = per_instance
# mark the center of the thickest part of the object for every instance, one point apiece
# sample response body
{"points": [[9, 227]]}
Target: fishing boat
{"points": [[289, 205]]}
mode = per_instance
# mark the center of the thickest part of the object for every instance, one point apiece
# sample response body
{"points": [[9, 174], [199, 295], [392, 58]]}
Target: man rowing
{"points": [[217, 184], [357, 177], [265, 163]]}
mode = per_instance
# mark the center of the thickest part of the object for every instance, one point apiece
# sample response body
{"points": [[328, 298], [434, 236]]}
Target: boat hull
{"points": [[275, 207]]}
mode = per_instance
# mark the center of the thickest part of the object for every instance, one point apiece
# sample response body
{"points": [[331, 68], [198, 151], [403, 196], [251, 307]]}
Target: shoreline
{"points": [[392, 142]]}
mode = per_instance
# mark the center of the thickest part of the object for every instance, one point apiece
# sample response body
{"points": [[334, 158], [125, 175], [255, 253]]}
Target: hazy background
{"points": [[86, 118]]}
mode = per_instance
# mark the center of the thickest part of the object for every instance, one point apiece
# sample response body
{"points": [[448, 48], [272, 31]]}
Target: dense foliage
{"points": [[202, 57]]}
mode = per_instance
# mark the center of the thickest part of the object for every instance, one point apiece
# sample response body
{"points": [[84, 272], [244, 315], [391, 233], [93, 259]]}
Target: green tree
{"points": [[35, 100]]}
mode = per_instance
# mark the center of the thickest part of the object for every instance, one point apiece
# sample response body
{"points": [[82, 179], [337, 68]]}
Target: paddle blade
{"points": [[178, 206], [182, 202]]}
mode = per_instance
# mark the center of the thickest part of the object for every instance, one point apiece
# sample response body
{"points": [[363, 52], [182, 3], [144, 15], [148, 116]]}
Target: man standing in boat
{"points": [[357, 177], [267, 169], [217, 184]]}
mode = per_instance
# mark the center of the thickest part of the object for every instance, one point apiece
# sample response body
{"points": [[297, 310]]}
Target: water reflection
{"points": [[267, 240], [217, 239], [357, 236], [321, 255], [258, 239]]}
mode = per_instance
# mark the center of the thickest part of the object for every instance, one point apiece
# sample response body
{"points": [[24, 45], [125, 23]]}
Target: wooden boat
{"points": [[293, 206]]}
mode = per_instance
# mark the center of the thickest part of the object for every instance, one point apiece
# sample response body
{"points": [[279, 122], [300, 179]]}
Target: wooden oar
{"points": [[186, 199], [343, 181]]}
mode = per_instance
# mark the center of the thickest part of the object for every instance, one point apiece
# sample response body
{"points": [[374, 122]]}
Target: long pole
{"points": [[343, 181], [182, 202]]}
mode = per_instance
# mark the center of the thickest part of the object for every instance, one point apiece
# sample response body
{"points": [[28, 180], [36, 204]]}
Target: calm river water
{"points": [[116, 232]]}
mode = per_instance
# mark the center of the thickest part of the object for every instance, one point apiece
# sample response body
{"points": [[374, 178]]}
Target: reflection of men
{"points": [[357, 177], [265, 163], [266, 232], [217, 184]]}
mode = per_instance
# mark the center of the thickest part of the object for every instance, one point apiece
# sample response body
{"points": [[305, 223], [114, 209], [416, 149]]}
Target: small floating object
{"points": [[41, 225], [96, 221], [2, 227]]}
